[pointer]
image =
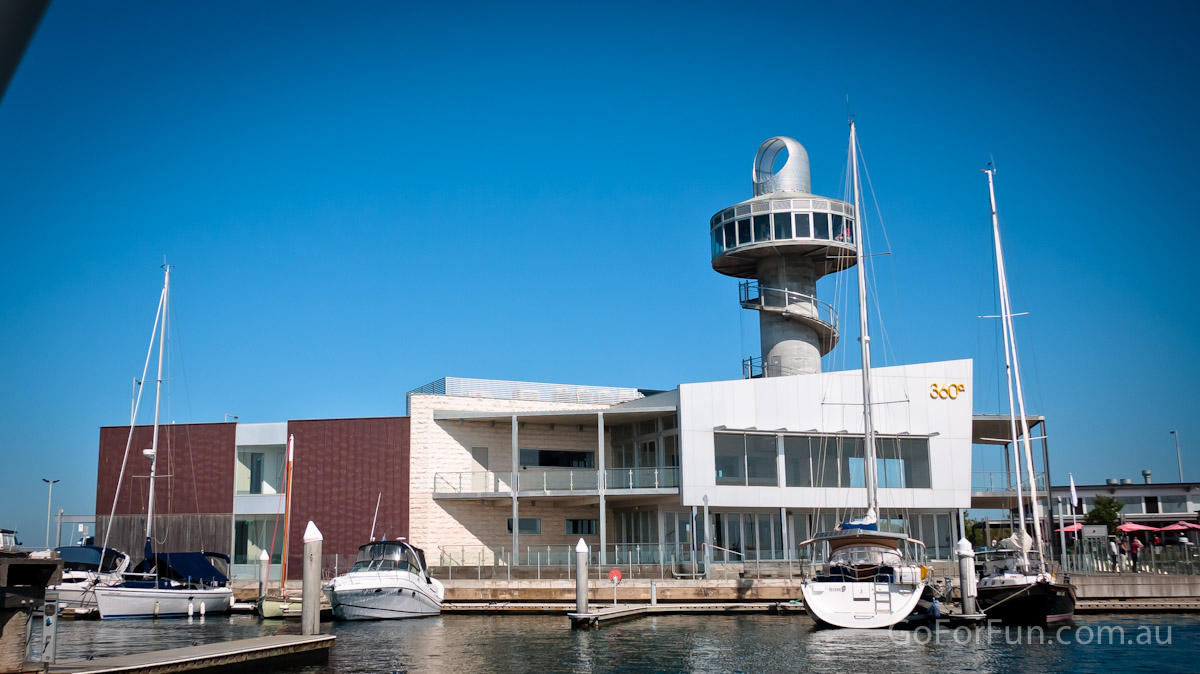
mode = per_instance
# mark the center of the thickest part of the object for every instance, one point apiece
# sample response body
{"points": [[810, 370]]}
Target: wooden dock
{"points": [[255, 654], [601, 614]]}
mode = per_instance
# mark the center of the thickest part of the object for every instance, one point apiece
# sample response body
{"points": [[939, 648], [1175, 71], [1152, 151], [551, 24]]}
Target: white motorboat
{"points": [[872, 578], [86, 567], [389, 580]]}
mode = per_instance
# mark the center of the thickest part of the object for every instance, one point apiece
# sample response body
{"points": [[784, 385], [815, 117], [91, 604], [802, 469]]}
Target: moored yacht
{"points": [[389, 580], [86, 567]]}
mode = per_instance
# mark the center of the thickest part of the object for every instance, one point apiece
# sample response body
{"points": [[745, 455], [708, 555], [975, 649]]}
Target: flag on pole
{"points": [[1074, 495]]}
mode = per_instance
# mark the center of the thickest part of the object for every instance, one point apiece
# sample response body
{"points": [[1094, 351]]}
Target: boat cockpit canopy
{"points": [[89, 558], [389, 556], [185, 567]]}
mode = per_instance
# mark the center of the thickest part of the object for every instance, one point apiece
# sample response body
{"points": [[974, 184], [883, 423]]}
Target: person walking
{"points": [[1115, 552], [1134, 548]]}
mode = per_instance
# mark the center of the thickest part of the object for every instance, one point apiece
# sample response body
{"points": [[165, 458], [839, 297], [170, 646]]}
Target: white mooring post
{"points": [[310, 612], [581, 577], [966, 575], [264, 561]]}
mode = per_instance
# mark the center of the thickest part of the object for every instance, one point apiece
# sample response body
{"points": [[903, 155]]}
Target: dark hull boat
{"points": [[1041, 603]]}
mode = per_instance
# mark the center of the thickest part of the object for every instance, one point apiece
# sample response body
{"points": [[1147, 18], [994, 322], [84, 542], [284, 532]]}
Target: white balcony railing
{"points": [[542, 480]]}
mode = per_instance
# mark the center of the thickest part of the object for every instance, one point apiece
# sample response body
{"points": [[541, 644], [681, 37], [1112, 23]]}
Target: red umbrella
{"points": [[1189, 525], [1071, 527], [1178, 526], [1132, 526]]}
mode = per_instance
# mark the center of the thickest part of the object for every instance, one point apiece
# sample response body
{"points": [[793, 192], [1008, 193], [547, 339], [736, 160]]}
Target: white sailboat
{"points": [[868, 580], [86, 567], [165, 584], [1017, 586]]}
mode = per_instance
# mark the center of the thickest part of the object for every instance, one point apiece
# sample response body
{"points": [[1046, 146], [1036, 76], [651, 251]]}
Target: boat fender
{"points": [[925, 572]]}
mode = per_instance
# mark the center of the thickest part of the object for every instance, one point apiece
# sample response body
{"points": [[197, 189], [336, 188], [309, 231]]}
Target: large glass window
{"points": [[557, 458], [730, 234], [821, 225], [797, 464], [729, 453], [849, 231], [260, 469], [1173, 504], [743, 231], [803, 226], [254, 533], [761, 467], [717, 241], [530, 526], [762, 228], [852, 463], [783, 225], [583, 527]]}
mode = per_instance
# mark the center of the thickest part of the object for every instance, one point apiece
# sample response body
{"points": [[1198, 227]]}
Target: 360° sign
{"points": [[950, 391]]}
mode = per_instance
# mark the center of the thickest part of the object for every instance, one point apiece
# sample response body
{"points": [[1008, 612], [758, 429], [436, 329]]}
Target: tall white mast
{"points": [[864, 338], [157, 400], [1027, 449], [1009, 358]]}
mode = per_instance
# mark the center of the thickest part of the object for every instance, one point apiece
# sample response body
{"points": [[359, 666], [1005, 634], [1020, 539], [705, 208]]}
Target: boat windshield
{"points": [[384, 556], [865, 555]]}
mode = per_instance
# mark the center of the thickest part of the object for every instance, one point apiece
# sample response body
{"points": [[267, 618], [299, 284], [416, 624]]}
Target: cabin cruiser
{"points": [[86, 567], [389, 580]]}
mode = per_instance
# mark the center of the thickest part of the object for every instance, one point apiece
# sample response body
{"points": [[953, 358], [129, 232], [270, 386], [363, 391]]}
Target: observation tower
{"points": [[782, 240]]}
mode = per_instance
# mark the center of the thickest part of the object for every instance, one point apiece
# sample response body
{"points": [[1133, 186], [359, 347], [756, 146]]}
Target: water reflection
{"points": [[452, 644]]}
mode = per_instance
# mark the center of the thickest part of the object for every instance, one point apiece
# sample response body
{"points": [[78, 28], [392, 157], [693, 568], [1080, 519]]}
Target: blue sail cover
{"points": [[873, 526], [185, 566]]}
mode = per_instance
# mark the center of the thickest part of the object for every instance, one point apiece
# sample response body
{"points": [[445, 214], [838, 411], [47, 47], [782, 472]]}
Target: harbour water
{"points": [[452, 644]]}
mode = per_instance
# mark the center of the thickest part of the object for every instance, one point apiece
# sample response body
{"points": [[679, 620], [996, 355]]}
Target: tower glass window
{"points": [[821, 225], [762, 228], [783, 225], [730, 234], [803, 226], [743, 231]]}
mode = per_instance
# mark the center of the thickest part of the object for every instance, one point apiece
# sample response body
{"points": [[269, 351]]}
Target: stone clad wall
{"points": [[445, 447]]}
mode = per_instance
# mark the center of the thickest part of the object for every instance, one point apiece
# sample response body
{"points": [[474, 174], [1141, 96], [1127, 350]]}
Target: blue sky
{"points": [[360, 198]]}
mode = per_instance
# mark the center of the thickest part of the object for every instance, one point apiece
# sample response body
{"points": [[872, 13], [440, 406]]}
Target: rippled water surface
{"points": [[686, 643]]}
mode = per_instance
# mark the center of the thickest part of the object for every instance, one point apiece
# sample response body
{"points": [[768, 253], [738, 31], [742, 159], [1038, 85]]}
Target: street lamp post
{"points": [[1178, 456], [49, 499]]}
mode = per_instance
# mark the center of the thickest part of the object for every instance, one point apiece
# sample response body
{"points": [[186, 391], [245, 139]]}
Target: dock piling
{"points": [[581, 577], [310, 612], [264, 563]]}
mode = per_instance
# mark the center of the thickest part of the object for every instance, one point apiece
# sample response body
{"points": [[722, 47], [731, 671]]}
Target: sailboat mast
{"points": [[162, 332], [1027, 450], [287, 512], [864, 338], [1009, 356]]}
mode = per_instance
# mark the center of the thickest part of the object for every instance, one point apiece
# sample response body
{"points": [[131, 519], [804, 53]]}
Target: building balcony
{"points": [[991, 490], [806, 309], [556, 482], [1004, 482]]}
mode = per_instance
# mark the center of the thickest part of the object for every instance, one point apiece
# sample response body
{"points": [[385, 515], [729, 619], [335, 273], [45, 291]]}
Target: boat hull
{"points": [[384, 596], [1040, 603], [138, 602], [860, 605]]}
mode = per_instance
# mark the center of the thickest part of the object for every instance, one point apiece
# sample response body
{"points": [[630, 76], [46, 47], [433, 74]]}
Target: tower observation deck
{"points": [[782, 240]]}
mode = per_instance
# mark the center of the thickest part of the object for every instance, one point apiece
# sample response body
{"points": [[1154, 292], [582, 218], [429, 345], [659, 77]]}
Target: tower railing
{"points": [[754, 296]]}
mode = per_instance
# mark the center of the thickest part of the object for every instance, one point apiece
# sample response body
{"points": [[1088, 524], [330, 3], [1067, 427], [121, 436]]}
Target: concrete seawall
{"points": [[1136, 586]]}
